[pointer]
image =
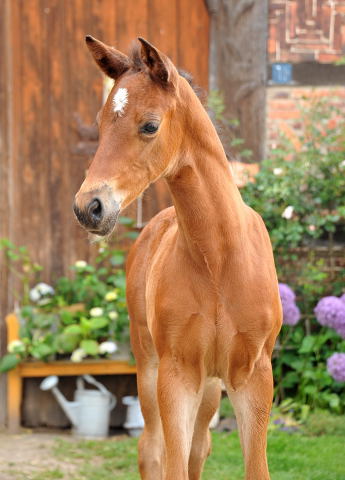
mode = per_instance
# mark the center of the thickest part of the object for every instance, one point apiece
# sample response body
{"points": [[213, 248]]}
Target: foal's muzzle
{"points": [[97, 210]]}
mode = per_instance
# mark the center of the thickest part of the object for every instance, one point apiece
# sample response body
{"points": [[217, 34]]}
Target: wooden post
{"points": [[14, 380]]}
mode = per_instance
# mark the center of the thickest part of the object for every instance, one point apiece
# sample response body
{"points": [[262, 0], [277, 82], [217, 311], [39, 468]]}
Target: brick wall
{"points": [[284, 105], [306, 30]]}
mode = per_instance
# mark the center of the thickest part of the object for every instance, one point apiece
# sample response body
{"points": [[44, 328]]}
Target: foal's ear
{"points": [[112, 62], [158, 68]]}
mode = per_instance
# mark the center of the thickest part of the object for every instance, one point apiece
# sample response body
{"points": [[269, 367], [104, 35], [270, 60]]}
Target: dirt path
{"points": [[24, 456]]}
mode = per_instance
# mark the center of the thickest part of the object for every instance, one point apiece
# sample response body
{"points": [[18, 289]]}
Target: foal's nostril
{"points": [[95, 210]]}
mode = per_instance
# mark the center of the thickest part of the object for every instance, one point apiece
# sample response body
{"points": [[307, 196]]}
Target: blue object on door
{"points": [[281, 73]]}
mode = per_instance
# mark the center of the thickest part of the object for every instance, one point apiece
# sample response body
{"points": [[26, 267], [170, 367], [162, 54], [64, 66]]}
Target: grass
{"points": [[292, 456], [314, 453]]}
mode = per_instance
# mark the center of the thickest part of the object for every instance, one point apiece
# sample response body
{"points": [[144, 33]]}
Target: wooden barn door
{"points": [[50, 93]]}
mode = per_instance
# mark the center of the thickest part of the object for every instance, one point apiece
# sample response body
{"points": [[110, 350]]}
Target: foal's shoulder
{"points": [[150, 237], [160, 222]]}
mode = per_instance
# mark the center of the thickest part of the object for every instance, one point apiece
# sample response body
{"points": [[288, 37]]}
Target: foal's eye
{"points": [[149, 128]]}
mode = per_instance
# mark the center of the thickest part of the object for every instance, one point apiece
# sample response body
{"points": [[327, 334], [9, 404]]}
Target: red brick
{"points": [[284, 114], [327, 57], [301, 47], [340, 8], [281, 94], [292, 6], [326, 19], [282, 105], [343, 35], [337, 33]]}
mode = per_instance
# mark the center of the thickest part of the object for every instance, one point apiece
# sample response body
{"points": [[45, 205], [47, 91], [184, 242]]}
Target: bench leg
{"points": [[14, 398]]}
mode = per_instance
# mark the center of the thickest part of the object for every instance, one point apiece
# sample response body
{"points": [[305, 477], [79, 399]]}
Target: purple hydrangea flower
{"points": [[330, 311], [336, 366], [291, 313], [342, 298], [286, 293]]}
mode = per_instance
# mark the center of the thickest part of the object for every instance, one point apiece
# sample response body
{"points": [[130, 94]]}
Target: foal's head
{"points": [[140, 127]]}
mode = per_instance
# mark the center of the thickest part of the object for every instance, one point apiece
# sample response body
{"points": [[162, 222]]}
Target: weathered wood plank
{"points": [[132, 22], [47, 77], [4, 181], [193, 39], [162, 27], [32, 170]]}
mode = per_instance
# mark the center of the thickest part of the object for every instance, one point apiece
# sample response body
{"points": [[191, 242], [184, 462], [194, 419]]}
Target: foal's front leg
{"points": [[179, 395]]}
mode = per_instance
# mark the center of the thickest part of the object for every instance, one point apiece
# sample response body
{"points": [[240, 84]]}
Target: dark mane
{"points": [[135, 56], [138, 65]]}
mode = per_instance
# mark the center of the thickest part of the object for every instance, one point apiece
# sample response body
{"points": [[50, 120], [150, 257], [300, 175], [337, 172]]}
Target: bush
{"points": [[300, 193]]}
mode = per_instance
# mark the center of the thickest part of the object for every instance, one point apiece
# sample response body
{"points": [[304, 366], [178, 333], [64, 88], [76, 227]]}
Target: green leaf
{"points": [[41, 351], [236, 141], [8, 362], [98, 322], [132, 235], [125, 221], [117, 259], [73, 329], [85, 325], [290, 379], [66, 317], [307, 344], [90, 347], [64, 343], [334, 400]]}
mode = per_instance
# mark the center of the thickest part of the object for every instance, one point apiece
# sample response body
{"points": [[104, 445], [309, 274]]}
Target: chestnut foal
{"points": [[201, 283]]}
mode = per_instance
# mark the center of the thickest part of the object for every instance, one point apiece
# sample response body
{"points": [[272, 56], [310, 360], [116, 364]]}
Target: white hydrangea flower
{"points": [[96, 312], [78, 355], [80, 264], [288, 212], [277, 171], [110, 296], [16, 346], [342, 164], [40, 290], [113, 315], [107, 347]]}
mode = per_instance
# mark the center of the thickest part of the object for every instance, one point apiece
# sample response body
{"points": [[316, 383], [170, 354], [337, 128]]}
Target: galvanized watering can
{"points": [[90, 410]]}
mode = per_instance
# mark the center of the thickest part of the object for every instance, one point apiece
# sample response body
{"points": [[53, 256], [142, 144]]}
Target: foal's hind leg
{"points": [[252, 404], [201, 443]]}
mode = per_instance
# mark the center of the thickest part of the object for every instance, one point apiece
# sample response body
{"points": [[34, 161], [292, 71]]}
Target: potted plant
{"points": [[81, 316]]}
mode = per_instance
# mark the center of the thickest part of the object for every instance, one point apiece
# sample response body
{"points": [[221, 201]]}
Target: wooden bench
{"points": [[43, 369]]}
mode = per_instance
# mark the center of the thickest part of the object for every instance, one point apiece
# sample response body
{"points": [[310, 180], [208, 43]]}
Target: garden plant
{"points": [[300, 193]]}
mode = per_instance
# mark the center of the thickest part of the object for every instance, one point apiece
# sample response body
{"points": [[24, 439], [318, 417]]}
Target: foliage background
{"points": [[300, 193]]}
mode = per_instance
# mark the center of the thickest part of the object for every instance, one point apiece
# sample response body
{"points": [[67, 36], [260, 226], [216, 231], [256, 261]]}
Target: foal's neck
{"points": [[208, 205]]}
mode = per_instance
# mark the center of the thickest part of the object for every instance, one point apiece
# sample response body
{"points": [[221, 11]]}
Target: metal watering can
{"points": [[90, 410]]}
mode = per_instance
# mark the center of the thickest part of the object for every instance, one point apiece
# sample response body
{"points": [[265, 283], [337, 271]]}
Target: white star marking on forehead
{"points": [[120, 100]]}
